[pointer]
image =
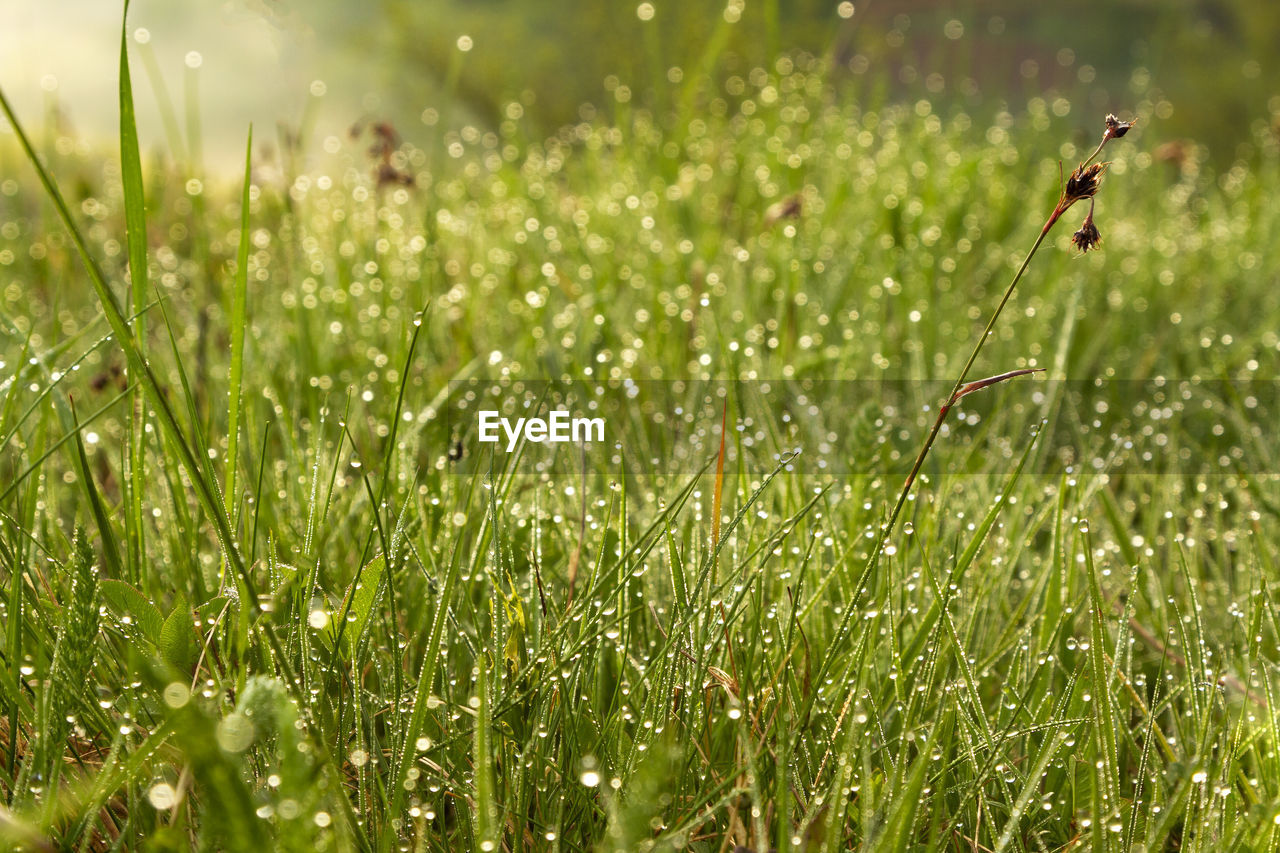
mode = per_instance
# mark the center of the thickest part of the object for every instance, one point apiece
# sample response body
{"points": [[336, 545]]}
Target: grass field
{"points": [[264, 589]]}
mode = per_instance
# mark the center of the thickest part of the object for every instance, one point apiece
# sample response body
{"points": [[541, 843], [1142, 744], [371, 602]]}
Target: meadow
{"points": [[263, 589]]}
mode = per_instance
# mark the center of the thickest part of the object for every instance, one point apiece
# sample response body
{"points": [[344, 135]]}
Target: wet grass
{"points": [[306, 610]]}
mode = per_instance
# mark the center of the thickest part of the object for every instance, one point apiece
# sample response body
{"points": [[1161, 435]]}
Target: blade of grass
{"points": [[235, 375], [135, 203], [137, 362], [487, 824], [136, 240], [53, 448], [110, 549], [717, 495], [1108, 769], [206, 491], [138, 366]]}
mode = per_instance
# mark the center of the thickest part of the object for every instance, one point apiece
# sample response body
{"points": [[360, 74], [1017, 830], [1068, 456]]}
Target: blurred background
{"points": [[1201, 74]]}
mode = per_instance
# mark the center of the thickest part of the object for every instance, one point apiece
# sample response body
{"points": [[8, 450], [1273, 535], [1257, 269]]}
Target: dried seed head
{"points": [[1116, 128], [1087, 237], [1083, 183], [789, 208], [389, 176]]}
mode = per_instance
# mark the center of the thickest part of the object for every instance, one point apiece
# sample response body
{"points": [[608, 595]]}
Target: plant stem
{"points": [[1059, 209], [886, 529], [964, 374]]}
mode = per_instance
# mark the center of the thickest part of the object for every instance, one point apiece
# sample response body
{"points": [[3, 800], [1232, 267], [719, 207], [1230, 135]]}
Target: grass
{"points": [[306, 609]]}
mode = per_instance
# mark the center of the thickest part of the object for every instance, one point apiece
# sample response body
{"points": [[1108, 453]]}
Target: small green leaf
{"points": [[123, 600], [362, 595], [178, 637]]}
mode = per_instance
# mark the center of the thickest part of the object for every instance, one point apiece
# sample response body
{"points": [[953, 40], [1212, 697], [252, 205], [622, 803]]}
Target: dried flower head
{"points": [[789, 208], [389, 176], [1083, 182], [1087, 237], [1116, 128]]}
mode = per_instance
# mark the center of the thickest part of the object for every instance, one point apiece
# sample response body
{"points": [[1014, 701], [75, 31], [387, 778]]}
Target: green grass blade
{"points": [[1108, 770], [135, 203], [901, 825], [135, 211], [239, 291], [137, 362], [110, 548], [487, 825]]}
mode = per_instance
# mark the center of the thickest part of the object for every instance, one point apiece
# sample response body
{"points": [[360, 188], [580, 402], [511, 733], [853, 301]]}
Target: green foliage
{"points": [[177, 638], [362, 596], [1070, 639], [129, 606], [73, 653]]}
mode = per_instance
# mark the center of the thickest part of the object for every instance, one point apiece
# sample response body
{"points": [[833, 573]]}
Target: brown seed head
{"points": [[1116, 128], [389, 176], [1083, 183], [1087, 237], [789, 208]]}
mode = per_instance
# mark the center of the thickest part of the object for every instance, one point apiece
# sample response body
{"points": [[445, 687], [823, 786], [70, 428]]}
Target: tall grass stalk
{"points": [[1081, 185]]}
